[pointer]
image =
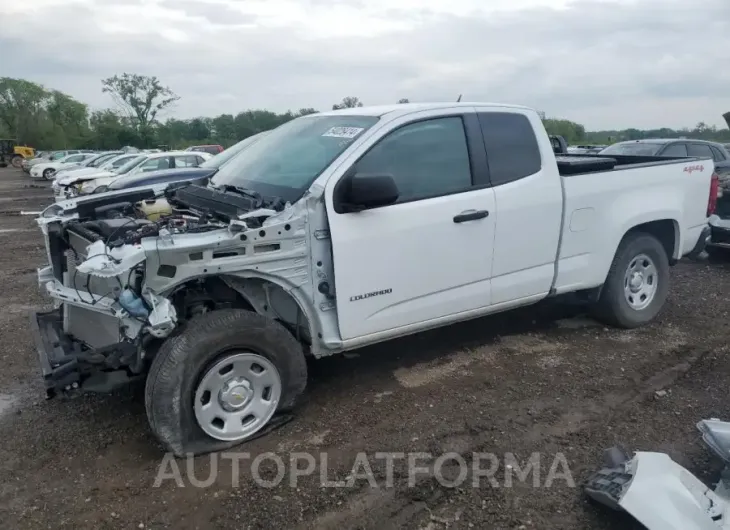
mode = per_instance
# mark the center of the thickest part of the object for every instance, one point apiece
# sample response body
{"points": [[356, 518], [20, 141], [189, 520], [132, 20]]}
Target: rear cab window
{"points": [[512, 149], [717, 154], [675, 150], [699, 150]]}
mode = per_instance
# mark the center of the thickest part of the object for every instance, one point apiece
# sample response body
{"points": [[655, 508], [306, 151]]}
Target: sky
{"points": [[603, 63]]}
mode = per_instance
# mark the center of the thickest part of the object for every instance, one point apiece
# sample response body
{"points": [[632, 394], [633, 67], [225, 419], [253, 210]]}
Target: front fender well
{"points": [[272, 297]]}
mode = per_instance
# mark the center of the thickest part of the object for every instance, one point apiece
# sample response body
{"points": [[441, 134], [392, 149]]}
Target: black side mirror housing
{"points": [[362, 191]]}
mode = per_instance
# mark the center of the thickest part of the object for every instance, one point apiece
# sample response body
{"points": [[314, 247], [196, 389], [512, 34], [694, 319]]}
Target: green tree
{"points": [[348, 102], [224, 129], [23, 109], [111, 131], [69, 119], [140, 98], [571, 131]]}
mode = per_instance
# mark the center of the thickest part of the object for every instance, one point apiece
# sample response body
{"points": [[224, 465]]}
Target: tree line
{"points": [[49, 119]]}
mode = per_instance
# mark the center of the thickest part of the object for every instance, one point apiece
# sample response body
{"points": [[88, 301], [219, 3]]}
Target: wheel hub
{"points": [[636, 282], [640, 282], [235, 394]]}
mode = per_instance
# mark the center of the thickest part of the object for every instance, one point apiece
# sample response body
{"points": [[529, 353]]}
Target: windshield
{"points": [[71, 158], [286, 161], [116, 162], [102, 159], [632, 148], [218, 160], [134, 162]]}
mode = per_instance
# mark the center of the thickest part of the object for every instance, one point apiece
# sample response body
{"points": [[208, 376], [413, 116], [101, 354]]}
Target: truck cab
{"points": [[342, 229]]}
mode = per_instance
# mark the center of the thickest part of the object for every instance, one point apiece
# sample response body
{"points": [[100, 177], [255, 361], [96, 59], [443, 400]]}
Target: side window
{"points": [[75, 158], [155, 164], [512, 150], [426, 159], [186, 161], [701, 150], [717, 154], [675, 150]]}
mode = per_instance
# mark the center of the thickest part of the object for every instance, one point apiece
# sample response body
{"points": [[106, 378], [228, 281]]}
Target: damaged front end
{"points": [[128, 268], [661, 494]]}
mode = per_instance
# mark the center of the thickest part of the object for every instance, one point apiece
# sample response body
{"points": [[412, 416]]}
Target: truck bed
{"points": [[578, 164]]}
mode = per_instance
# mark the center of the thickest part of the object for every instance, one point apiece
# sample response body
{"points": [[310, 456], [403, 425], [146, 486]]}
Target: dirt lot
{"points": [[539, 380]]}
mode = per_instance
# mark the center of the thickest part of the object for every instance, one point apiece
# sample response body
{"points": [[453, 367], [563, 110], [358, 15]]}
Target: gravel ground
{"points": [[543, 379]]}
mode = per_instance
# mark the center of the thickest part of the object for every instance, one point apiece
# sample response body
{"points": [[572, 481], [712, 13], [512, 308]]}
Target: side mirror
{"points": [[362, 191]]}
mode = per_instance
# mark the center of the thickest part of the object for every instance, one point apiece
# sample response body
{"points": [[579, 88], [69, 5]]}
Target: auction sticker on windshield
{"points": [[343, 132]]}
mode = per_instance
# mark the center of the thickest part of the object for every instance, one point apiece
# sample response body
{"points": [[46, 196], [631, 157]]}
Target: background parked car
{"points": [[181, 174], [674, 148], [585, 149], [84, 184], [211, 149], [117, 160], [47, 169], [52, 156]]}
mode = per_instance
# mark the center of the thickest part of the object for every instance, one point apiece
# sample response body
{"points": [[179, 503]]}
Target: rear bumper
{"points": [[719, 233], [57, 354]]}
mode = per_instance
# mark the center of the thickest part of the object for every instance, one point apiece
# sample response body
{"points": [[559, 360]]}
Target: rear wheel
{"points": [[637, 283], [17, 161], [221, 380]]}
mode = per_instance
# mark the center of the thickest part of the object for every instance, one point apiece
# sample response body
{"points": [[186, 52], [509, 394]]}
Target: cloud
{"points": [[604, 63]]}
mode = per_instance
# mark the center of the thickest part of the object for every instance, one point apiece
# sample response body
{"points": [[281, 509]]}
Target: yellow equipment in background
{"points": [[11, 152]]}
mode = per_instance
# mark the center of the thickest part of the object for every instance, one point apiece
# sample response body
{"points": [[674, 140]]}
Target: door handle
{"points": [[470, 215]]}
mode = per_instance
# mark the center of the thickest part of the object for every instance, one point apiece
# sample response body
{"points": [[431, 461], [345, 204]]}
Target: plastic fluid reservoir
{"points": [[132, 303], [154, 209]]}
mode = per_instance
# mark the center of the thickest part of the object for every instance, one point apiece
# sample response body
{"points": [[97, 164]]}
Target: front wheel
{"points": [[637, 283], [221, 380], [48, 173], [17, 161]]}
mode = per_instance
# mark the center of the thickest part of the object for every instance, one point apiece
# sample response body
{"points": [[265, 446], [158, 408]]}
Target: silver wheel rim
{"points": [[237, 396], [640, 282]]}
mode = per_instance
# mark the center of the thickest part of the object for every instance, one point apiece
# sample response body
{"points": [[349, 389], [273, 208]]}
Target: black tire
{"points": [[182, 359], [612, 307], [17, 161], [47, 173]]}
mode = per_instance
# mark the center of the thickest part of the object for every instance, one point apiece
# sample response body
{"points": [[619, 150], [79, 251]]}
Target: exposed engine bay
{"points": [[129, 268]]}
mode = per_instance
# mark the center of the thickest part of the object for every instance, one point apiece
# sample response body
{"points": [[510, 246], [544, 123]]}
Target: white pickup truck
{"points": [[339, 230]]}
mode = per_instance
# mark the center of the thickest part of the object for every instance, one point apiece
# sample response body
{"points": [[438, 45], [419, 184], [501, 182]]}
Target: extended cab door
{"points": [[429, 255], [529, 204]]}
